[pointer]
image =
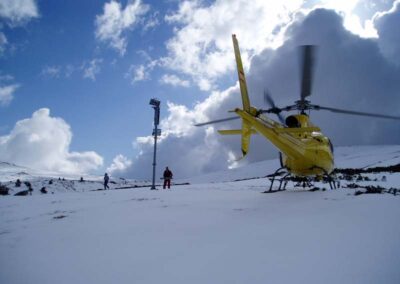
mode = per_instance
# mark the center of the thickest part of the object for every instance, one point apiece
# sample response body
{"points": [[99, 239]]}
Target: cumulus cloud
{"points": [[43, 142], [15, 13], [120, 164], [201, 45], [18, 12], [201, 48], [112, 25], [188, 150], [350, 73], [7, 93]]}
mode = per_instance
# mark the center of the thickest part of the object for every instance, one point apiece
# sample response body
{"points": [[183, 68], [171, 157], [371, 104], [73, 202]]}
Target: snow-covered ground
{"points": [[214, 230]]}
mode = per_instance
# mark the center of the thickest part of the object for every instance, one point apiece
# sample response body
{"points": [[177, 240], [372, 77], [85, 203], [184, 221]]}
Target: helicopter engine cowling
{"points": [[292, 121]]}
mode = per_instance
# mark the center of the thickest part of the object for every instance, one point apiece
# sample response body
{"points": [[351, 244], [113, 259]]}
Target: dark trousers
{"points": [[167, 181], [106, 185]]}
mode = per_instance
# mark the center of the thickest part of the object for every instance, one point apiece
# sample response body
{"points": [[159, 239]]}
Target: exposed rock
{"points": [[4, 190], [22, 193]]}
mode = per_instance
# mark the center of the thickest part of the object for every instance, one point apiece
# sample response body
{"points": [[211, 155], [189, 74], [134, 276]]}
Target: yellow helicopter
{"points": [[304, 151]]}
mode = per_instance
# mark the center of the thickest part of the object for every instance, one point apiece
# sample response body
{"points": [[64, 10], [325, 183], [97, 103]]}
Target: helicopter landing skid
{"points": [[300, 181], [284, 180]]}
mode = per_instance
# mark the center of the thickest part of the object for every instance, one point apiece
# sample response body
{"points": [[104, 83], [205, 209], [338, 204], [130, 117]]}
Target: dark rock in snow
{"points": [[22, 193], [4, 190], [374, 189], [59, 217]]}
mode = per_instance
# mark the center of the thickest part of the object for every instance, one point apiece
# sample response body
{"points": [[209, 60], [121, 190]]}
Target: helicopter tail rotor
{"points": [[268, 100]]}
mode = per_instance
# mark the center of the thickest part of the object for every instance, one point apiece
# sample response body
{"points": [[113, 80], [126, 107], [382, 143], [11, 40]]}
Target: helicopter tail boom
{"points": [[235, 132]]}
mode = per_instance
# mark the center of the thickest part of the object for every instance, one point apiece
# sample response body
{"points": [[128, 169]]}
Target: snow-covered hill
{"points": [[345, 157], [214, 230]]}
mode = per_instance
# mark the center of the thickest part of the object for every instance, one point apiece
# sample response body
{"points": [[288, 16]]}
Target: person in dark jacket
{"points": [[106, 179], [167, 178]]}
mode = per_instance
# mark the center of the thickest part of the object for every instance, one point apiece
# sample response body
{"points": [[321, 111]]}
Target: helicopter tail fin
{"points": [[242, 77], [246, 133]]}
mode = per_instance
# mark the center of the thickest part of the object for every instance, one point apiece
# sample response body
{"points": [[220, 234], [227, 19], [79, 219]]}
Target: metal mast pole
{"points": [[156, 105], [153, 186]]}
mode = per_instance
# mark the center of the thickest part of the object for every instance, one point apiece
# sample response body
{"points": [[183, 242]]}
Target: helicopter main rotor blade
{"points": [[352, 112], [268, 99], [217, 121], [307, 70]]}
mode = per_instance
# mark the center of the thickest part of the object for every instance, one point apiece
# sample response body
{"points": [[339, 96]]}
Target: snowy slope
{"points": [[55, 182], [367, 156], [345, 157], [12, 172], [209, 232]]}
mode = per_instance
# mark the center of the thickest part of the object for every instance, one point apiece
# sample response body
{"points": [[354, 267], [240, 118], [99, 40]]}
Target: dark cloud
{"points": [[387, 25], [351, 73]]}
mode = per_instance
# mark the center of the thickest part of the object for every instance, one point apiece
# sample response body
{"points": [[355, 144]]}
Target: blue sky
{"points": [[105, 113], [95, 65]]}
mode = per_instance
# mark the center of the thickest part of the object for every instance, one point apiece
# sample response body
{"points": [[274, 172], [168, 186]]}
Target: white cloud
{"points": [[69, 69], [202, 47], [51, 71], [43, 142], [120, 163], [137, 73], [91, 68], [151, 22], [18, 12], [6, 93], [174, 81], [115, 21], [3, 43], [5, 78]]}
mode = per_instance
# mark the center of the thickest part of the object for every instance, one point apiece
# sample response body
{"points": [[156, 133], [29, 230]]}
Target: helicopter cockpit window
{"points": [[291, 121]]}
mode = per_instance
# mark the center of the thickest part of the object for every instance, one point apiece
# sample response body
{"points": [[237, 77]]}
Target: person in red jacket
{"points": [[167, 177]]}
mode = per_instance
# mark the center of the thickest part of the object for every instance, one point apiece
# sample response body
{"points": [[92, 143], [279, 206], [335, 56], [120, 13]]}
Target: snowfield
{"points": [[214, 230]]}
